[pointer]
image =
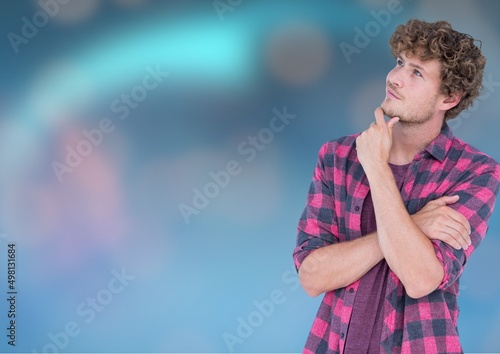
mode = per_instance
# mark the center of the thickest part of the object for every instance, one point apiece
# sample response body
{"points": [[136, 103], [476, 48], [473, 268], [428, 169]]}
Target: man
{"points": [[394, 213]]}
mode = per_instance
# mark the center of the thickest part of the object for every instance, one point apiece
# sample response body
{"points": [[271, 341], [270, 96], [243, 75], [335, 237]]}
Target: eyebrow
{"points": [[416, 66]]}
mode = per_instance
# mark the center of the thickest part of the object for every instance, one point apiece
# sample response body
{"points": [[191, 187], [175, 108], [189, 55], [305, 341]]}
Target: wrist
{"points": [[378, 172]]}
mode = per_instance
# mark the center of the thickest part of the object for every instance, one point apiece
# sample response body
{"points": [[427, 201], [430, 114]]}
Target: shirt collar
{"points": [[439, 147]]}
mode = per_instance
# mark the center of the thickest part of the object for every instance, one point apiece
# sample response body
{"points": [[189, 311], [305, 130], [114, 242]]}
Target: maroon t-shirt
{"points": [[365, 328]]}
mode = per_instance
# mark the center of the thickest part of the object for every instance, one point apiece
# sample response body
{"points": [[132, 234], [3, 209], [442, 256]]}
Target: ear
{"points": [[451, 101]]}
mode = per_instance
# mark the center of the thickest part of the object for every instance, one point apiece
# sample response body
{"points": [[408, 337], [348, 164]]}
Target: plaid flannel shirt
{"points": [[447, 166]]}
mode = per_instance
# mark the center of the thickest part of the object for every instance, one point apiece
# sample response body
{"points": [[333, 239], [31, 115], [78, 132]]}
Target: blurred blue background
{"points": [[134, 247]]}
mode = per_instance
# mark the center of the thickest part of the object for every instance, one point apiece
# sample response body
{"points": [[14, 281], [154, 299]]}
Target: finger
{"points": [[451, 199], [460, 234], [455, 221], [446, 200], [450, 237], [455, 244], [462, 220], [392, 122], [379, 116]]}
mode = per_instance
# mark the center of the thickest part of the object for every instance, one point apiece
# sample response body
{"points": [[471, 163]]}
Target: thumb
{"points": [[447, 199], [392, 122]]}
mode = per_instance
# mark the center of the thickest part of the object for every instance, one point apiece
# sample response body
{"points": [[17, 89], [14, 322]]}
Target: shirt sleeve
{"points": [[477, 198], [317, 225]]}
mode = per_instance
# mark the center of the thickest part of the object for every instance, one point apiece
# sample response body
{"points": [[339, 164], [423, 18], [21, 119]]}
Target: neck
{"points": [[409, 139]]}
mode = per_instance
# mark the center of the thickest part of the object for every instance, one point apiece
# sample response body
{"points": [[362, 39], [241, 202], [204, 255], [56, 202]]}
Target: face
{"points": [[412, 90]]}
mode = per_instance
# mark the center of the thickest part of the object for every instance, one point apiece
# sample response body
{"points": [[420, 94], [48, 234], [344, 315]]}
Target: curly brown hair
{"points": [[462, 61]]}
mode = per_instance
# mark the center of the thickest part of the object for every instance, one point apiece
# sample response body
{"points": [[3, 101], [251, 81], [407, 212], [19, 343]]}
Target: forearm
{"points": [[407, 250], [338, 265]]}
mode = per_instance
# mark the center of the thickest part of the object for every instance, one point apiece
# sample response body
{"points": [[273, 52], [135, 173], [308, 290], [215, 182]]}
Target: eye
{"points": [[417, 73], [399, 62]]}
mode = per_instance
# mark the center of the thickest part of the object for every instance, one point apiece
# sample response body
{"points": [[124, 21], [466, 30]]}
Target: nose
{"points": [[394, 78]]}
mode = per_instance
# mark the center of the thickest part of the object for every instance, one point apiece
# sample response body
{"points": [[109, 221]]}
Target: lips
{"points": [[391, 93]]}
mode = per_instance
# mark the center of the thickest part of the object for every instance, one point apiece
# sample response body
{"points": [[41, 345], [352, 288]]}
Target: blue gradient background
{"points": [[119, 209]]}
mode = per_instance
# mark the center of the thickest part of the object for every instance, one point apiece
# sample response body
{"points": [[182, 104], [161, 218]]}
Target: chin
{"points": [[388, 112], [384, 105]]}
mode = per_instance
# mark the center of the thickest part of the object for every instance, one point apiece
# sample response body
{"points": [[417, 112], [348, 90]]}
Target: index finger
{"points": [[461, 219], [379, 116]]}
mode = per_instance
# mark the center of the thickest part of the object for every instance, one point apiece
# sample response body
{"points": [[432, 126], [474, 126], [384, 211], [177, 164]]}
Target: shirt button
{"points": [[351, 290], [341, 335], [356, 208]]}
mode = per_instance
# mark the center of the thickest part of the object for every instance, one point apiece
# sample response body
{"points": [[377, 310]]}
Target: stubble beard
{"points": [[409, 117]]}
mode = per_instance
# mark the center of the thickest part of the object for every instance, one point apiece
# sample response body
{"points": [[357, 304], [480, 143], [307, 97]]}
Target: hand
{"points": [[374, 144], [440, 222]]}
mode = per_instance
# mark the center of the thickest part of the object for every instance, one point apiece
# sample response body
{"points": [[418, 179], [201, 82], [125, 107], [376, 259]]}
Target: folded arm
{"points": [[408, 251], [338, 265]]}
